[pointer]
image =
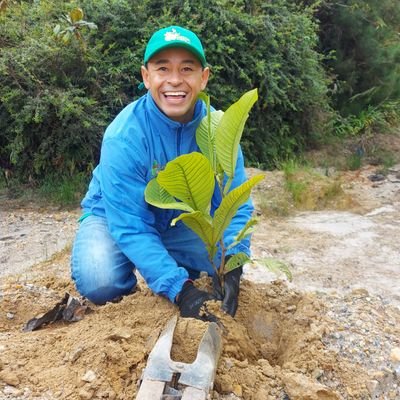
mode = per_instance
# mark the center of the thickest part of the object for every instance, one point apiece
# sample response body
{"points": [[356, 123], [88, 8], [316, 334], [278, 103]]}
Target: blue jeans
{"points": [[102, 272]]}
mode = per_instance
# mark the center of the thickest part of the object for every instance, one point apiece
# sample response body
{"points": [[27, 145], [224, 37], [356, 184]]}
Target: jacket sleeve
{"points": [[123, 171], [243, 214]]}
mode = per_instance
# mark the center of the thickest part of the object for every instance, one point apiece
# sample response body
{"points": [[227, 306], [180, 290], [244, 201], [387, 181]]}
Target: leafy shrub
{"points": [[364, 42], [50, 103], [57, 96]]}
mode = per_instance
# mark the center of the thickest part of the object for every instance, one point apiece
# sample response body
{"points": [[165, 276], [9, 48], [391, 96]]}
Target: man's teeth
{"points": [[175, 94]]}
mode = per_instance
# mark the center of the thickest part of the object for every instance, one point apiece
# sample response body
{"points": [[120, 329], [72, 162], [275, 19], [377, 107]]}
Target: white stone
{"points": [[90, 376], [395, 354]]}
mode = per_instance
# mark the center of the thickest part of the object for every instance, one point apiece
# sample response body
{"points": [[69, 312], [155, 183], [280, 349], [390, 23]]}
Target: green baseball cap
{"points": [[175, 36]]}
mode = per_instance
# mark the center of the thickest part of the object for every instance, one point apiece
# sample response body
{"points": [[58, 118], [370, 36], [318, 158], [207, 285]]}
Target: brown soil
{"points": [[321, 337]]}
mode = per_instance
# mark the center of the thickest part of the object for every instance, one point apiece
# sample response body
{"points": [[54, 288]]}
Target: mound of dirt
{"points": [[282, 344]]}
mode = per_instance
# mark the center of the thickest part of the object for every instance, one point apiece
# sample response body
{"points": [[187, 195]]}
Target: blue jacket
{"points": [[139, 142]]}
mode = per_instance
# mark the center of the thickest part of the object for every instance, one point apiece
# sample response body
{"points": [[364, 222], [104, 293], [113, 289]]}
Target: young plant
{"points": [[75, 24], [188, 182]]}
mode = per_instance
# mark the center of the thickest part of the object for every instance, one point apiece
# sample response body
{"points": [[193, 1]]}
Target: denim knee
{"points": [[100, 270]]}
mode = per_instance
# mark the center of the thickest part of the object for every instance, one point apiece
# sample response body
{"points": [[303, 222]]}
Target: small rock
{"points": [[9, 377], [228, 364], [300, 387], [262, 393], [393, 395], [317, 373], [267, 369], [395, 354], [34, 380], [120, 335], [360, 292], [225, 386], [376, 177], [10, 315], [85, 394], [106, 394], [372, 387], [237, 390], [12, 391], [75, 354], [89, 376]]}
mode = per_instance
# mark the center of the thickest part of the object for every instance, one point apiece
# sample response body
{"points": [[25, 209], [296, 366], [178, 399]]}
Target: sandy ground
{"points": [[332, 333], [338, 251]]}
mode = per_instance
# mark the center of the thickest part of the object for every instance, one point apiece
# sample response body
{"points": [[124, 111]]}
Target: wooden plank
{"points": [[150, 390], [191, 393]]}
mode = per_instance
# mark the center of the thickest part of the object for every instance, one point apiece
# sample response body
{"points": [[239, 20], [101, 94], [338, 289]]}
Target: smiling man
{"points": [[119, 232]]}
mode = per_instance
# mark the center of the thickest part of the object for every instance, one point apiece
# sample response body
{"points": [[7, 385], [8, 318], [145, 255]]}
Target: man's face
{"points": [[174, 78]]}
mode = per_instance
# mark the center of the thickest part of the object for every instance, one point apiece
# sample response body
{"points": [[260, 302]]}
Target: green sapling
{"points": [[188, 182]]}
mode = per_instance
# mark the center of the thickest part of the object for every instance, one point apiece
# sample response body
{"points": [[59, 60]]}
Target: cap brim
{"points": [[181, 44]]}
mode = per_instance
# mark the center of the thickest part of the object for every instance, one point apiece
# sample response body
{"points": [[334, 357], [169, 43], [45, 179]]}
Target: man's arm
{"points": [[123, 171]]}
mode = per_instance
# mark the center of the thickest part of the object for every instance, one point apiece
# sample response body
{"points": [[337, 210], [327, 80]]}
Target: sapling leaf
{"points": [[276, 266], [230, 204], [157, 196], [246, 231], [230, 129], [189, 178], [205, 136], [200, 224], [206, 98], [236, 261]]}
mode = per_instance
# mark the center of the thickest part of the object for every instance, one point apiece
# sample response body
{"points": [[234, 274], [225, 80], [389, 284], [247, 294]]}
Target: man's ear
{"points": [[145, 77], [204, 77]]}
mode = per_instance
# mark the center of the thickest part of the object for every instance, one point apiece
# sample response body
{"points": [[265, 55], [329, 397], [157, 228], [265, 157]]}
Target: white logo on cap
{"points": [[174, 35]]}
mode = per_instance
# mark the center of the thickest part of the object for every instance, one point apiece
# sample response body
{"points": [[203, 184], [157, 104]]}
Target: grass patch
{"points": [[64, 191], [353, 162], [311, 190], [54, 190], [273, 206]]}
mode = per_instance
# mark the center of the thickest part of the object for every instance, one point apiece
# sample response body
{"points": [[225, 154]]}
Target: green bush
{"points": [[56, 96], [51, 107], [268, 46], [362, 38]]}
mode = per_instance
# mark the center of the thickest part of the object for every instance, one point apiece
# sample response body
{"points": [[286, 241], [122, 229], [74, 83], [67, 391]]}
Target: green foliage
{"points": [[295, 187], [190, 179], [276, 266], [51, 109], [354, 162], [371, 119], [363, 39], [270, 46], [62, 81], [57, 96], [64, 190], [75, 24]]}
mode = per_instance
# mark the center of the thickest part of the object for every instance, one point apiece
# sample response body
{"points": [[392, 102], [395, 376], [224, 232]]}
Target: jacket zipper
{"points": [[178, 141]]}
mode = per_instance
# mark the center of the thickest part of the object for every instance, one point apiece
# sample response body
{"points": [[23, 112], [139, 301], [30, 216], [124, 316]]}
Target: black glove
{"points": [[190, 300], [230, 295]]}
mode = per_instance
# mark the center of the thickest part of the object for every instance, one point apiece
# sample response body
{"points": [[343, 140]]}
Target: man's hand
{"points": [[190, 300], [230, 295]]}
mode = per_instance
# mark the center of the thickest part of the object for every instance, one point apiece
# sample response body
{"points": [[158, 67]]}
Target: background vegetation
{"points": [[323, 69]]}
